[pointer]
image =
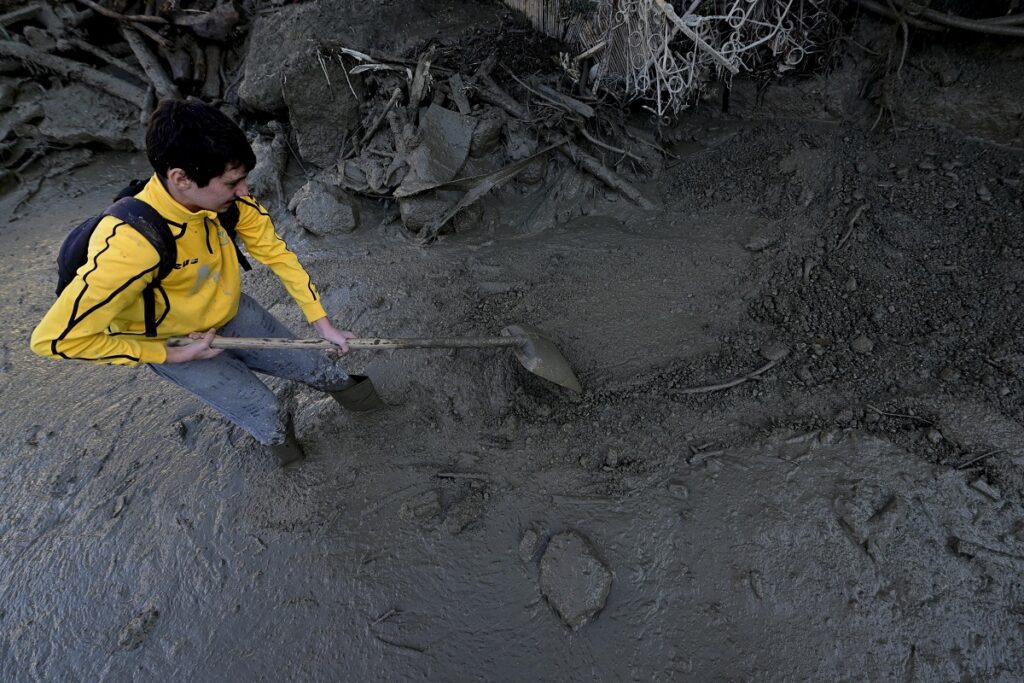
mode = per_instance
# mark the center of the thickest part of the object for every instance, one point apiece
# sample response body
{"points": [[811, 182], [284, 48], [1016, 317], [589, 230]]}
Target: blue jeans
{"points": [[227, 384]]}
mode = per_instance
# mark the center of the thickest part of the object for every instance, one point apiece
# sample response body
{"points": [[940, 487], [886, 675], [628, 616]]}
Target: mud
{"points": [[852, 512]]}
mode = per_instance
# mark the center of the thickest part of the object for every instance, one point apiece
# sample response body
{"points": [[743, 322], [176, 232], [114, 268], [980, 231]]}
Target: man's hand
{"points": [[337, 337], [197, 350]]}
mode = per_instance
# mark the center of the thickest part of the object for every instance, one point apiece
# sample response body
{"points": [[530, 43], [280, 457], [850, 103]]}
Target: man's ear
{"points": [[180, 179]]}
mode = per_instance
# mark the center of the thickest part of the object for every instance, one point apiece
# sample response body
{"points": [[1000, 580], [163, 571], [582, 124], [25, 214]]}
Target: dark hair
{"points": [[197, 138]]}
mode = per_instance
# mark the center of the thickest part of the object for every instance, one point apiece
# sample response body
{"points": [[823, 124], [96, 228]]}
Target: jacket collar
{"points": [[157, 196]]}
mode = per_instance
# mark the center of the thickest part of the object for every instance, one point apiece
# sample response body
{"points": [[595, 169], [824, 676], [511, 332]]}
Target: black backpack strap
{"points": [[229, 221], [148, 222]]}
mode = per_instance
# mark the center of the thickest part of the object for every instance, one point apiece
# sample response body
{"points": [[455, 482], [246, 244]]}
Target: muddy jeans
{"points": [[227, 383]]}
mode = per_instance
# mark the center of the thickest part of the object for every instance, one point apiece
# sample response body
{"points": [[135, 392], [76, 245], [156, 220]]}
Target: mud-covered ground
{"points": [[852, 512]]}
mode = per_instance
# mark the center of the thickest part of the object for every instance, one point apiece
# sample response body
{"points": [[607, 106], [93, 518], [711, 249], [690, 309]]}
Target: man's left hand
{"points": [[332, 334]]}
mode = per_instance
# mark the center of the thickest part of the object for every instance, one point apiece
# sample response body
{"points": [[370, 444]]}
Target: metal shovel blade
{"points": [[539, 355]]}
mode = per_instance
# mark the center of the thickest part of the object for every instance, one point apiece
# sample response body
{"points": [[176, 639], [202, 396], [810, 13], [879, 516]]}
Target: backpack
{"points": [[74, 252]]}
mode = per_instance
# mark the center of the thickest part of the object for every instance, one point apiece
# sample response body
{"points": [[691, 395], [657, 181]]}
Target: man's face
{"points": [[220, 193]]}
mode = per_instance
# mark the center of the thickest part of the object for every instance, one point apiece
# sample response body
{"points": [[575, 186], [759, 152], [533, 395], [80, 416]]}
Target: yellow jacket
{"points": [[99, 316]]}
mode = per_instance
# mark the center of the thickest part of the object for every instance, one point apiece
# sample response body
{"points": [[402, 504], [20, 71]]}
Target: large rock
{"points": [[79, 115], [323, 209], [572, 578], [361, 25], [321, 105], [445, 137]]}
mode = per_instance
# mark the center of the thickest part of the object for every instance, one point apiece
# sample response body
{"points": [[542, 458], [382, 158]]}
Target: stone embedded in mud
{"points": [[574, 581], [805, 375], [529, 543], [774, 351], [136, 631], [862, 344], [487, 134], [323, 210]]}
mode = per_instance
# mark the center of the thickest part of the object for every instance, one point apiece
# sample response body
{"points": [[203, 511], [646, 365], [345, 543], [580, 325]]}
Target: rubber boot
{"points": [[290, 451], [360, 397]]}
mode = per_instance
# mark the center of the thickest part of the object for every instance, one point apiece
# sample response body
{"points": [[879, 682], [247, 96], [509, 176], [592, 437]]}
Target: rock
{"points": [[260, 88], [529, 544], [851, 284], [535, 172], [78, 115], [265, 179], [805, 375], [322, 109], [613, 458], [136, 631], [39, 39], [677, 489], [520, 140], [926, 165], [421, 210], [862, 344], [949, 375], [573, 580], [487, 134], [8, 94], [761, 242], [323, 209], [774, 351], [987, 489], [218, 23], [445, 141], [934, 436], [464, 512], [422, 507]]}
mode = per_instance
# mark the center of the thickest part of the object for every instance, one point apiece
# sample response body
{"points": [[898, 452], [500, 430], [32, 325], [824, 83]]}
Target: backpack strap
{"points": [[229, 221], [151, 225]]}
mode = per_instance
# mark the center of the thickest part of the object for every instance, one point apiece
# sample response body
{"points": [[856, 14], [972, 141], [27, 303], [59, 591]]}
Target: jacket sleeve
{"points": [[120, 264], [264, 244]]}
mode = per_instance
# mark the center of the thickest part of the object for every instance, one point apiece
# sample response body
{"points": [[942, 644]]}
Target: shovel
{"points": [[535, 352]]}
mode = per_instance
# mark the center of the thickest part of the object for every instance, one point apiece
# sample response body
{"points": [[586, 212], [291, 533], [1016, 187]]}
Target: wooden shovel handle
{"points": [[355, 343]]}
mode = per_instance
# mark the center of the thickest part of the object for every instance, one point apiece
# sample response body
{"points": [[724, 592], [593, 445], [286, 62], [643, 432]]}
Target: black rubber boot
{"points": [[360, 397], [290, 451]]}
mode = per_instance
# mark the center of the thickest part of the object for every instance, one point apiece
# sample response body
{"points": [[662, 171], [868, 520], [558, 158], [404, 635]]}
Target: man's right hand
{"points": [[197, 350]]}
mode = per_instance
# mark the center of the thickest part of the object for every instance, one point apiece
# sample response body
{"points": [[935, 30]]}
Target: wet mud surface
{"points": [[821, 519]]}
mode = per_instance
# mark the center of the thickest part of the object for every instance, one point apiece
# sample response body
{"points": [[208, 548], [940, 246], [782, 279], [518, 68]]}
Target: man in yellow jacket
{"points": [[201, 159]]}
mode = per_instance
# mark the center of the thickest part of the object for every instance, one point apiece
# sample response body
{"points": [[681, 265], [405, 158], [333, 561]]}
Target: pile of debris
{"points": [[362, 127], [431, 139], [118, 60]]}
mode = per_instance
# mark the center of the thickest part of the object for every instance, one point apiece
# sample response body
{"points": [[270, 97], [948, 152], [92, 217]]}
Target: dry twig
{"points": [[734, 382]]}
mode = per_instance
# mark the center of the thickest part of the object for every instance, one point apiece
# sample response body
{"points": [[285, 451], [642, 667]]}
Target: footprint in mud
{"points": [[138, 629]]}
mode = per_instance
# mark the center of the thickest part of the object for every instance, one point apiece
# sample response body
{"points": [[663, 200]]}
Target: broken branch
{"points": [[605, 174], [165, 88], [74, 70], [131, 18]]}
